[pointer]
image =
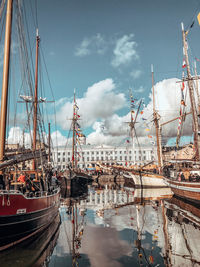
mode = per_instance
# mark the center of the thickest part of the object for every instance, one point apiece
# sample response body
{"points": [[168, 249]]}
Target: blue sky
{"points": [[92, 44]]}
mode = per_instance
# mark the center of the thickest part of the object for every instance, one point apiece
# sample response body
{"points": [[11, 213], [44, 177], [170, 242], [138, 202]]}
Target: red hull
{"points": [[14, 203], [22, 217]]}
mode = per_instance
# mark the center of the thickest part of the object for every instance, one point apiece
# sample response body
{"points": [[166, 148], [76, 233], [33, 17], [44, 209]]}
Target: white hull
{"points": [[147, 180], [153, 194]]}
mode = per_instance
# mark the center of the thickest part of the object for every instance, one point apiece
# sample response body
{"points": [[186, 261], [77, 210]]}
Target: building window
{"points": [[101, 158], [63, 166], [88, 153], [92, 152], [115, 152], [129, 151], [101, 152], [58, 153], [120, 157], [92, 158], [63, 153], [125, 158], [144, 157], [129, 157], [63, 159], [88, 158], [58, 159], [120, 152], [68, 153], [115, 158], [97, 152]]}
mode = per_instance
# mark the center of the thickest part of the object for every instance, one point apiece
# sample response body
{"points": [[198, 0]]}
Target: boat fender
{"points": [[3, 202], [8, 201]]}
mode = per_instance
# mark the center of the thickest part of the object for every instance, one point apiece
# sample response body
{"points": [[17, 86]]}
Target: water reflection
{"points": [[182, 228], [34, 251], [112, 224]]}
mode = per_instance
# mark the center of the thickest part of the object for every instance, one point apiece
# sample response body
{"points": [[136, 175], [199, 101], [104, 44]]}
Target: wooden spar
{"points": [[157, 126], [49, 143], [182, 116], [197, 86], [35, 99], [73, 137], [192, 100], [4, 96]]}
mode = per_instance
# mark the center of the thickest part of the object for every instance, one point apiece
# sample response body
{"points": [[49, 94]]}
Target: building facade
{"points": [[88, 155]]}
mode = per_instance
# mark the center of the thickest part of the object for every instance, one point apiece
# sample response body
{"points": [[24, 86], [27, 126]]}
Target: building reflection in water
{"points": [[117, 225]]}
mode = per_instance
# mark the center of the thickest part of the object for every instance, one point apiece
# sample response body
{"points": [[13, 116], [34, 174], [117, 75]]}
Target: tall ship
{"points": [[29, 201], [182, 174], [149, 175], [75, 174]]}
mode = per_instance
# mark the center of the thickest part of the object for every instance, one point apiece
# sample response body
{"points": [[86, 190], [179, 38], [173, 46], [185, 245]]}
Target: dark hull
{"points": [[15, 228], [35, 249]]}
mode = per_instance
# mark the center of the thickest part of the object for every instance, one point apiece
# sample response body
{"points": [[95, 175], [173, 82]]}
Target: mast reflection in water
{"points": [[113, 226], [116, 225]]}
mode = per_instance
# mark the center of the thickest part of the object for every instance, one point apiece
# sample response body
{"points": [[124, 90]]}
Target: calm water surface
{"points": [[113, 225]]}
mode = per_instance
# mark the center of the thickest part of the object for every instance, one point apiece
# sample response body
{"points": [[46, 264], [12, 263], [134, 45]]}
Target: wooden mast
{"points": [[131, 125], [35, 99], [4, 96], [192, 100], [157, 126], [197, 86], [49, 143], [74, 136]]}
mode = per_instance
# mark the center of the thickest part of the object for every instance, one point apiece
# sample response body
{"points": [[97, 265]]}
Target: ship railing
{"points": [[9, 192], [30, 194]]}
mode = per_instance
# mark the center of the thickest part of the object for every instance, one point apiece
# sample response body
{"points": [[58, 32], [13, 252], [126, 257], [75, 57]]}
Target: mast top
{"points": [[151, 67], [37, 32], [182, 26]]}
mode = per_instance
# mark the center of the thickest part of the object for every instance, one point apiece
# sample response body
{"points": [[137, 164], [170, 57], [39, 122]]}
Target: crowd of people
{"points": [[27, 183], [187, 176]]}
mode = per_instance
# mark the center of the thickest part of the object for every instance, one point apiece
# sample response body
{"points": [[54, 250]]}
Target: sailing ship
{"points": [[178, 173], [141, 176], [27, 207], [76, 175]]}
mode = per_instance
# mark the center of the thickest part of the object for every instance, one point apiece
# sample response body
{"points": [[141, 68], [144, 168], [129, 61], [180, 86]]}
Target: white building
{"points": [[88, 155]]}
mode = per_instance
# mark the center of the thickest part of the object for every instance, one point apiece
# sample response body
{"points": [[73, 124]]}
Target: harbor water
{"points": [[113, 224]]}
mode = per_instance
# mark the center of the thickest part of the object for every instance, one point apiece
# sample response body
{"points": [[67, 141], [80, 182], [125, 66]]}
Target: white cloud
{"points": [[15, 136], [58, 139], [99, 107], [168, 98], [136, 74], [99, 102], [125, 51], [139, 90], [94, 44]]}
